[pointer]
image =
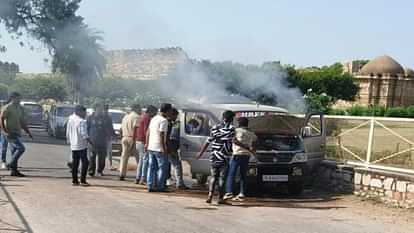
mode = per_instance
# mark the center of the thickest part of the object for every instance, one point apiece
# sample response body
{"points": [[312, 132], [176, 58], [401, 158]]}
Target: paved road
{"points": [[45, 202]]}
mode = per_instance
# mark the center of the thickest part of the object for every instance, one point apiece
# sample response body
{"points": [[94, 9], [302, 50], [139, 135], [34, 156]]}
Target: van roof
{"points": [[64, 106], [116, 111], [236, 107], [28, 102]]}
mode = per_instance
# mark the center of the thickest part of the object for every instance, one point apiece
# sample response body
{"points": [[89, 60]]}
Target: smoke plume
{"points": [[208, 82]]}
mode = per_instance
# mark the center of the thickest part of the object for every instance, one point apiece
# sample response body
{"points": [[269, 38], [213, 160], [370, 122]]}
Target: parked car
{"points": [[289, 148], [117, 116], [34, 114], [57, 119]]}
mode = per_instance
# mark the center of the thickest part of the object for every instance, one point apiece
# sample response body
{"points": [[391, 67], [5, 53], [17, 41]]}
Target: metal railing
{"points": [[367, 126]]}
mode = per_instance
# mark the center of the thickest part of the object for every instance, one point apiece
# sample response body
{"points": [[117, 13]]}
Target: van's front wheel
{"points": [[201, 179]]}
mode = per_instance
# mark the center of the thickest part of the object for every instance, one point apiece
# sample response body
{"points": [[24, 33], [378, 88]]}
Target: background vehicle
{"points": [[289, 148], [117, 116], [57, 119], [34, 114]]}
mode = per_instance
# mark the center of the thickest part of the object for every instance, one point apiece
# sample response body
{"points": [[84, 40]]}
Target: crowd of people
{"points": [[151, 136]]}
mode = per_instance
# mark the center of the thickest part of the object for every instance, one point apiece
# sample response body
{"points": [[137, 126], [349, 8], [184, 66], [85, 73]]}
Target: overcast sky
{"points": [[299, 32]]}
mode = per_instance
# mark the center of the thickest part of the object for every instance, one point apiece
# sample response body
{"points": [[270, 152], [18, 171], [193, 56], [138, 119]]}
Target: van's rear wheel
{"points": [[201, 179], [295, 188]]}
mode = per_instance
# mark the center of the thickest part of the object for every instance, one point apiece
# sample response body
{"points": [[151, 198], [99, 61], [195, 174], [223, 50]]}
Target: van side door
{"points": [[314, 137], [194, 130]]}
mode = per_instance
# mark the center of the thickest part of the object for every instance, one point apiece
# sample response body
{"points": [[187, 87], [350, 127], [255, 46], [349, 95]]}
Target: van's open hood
{"points": [[276, 124]]}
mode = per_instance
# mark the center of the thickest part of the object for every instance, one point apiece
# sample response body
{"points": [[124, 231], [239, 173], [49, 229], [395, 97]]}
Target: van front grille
{"points": [[270, 157]]}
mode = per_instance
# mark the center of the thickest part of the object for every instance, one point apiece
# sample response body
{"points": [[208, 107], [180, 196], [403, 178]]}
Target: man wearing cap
{"points": [[128, 131], [100, 130], [12, 123]]}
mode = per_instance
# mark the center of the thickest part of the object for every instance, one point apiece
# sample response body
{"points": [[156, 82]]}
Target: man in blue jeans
{"points": [[140, 139], [243, 147], [4, 145], [156, 145], [12, 122]]}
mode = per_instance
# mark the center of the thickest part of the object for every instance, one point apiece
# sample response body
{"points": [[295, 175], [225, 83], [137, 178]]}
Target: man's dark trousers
{"points": [[77, 157]]}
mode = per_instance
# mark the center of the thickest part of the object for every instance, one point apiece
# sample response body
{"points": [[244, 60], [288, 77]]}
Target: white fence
{"points": [[373, 142]]}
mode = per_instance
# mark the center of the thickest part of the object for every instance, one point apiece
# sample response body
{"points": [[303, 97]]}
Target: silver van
{"points": [[34, 114], [57, 119], [289, 147]]}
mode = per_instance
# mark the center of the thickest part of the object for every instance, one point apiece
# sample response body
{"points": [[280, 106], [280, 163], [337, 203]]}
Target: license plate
{"points": [[275, 178]]}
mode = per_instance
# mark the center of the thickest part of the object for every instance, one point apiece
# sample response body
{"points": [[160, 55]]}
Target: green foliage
{"points": [[329, 80], [74, 47], [41, 87], [396, 112], [317, 102], [4, 91], [378, 111]]}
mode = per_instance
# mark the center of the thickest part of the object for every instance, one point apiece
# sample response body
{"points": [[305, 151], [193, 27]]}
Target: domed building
{"points": [[383, 81]]}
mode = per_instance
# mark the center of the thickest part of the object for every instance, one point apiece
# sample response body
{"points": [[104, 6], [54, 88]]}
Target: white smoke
{"points": [[193, 82]]}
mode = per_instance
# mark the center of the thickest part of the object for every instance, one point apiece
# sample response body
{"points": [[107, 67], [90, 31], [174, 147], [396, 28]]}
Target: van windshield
{"points": [[65, 111]]}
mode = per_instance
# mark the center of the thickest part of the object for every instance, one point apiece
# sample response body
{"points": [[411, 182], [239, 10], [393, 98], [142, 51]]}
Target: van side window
{"points": [[197, 123], [315, 126]]}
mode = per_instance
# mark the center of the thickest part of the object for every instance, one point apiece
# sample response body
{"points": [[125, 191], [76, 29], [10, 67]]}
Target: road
{"points": [[46, 202]]}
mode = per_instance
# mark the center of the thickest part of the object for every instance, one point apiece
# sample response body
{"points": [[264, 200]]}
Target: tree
{"points": [[8, 72], [4, 91], [41, 87], [74, 47], [329, 80]]}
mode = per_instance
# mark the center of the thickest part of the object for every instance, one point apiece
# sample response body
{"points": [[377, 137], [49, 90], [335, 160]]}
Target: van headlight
{"points": [[252, 172], [300, 158]]}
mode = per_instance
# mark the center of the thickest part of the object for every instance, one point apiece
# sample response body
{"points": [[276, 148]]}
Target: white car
{"points": [[117, 116]]}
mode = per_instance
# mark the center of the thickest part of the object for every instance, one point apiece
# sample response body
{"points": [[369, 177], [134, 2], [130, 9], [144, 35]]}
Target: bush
{"points": [[396, 112], [378, 111], [336, 112], [410, 111], [357, 111]]}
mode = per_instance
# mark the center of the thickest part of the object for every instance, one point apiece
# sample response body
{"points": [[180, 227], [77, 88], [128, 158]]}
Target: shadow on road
{"points": [[305, 201], [10, 227]]}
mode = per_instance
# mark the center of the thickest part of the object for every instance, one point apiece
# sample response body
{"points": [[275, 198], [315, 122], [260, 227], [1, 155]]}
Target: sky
{"points": [[299, 32]]}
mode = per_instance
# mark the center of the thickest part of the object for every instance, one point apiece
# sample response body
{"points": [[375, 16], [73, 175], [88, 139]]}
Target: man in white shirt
{"points": [[156, 145], [77, 137]]}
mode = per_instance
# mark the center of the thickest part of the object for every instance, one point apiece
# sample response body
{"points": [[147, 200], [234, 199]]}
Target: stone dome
{"points": [[409, 72], [382, 65]]}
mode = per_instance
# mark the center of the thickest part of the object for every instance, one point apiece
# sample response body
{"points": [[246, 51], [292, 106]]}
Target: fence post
{"points": [[370, 141]]}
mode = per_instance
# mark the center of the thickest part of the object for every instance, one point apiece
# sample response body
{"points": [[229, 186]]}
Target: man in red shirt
{"points": [[141, 132]]}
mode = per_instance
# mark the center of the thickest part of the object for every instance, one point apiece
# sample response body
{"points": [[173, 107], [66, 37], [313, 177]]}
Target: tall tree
{"points": [[74, 47]]}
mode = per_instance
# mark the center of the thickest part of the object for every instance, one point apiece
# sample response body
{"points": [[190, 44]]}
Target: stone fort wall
{"points": [[144, 64]]}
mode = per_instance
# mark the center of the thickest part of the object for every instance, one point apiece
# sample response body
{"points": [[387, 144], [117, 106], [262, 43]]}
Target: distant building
{"points": [[144, 64], [382, 81], [7, 68]]}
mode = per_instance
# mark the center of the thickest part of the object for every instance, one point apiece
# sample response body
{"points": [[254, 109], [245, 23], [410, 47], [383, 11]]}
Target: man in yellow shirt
{"points": [[128, 129]]}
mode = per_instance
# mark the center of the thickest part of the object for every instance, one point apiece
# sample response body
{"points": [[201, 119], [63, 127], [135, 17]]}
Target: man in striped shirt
{"points": [[221, 145]]}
